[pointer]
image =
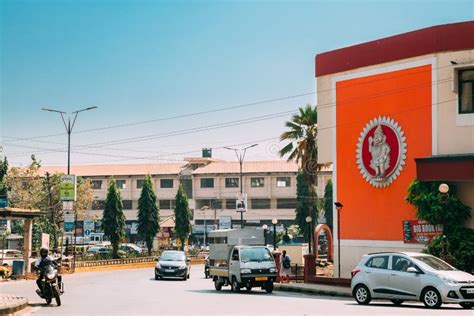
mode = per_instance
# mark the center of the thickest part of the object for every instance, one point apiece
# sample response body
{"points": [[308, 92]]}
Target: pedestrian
{"points": [[285, 268]]}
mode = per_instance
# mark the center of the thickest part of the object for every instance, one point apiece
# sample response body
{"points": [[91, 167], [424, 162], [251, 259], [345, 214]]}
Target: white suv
{"points": [[409, 276]]}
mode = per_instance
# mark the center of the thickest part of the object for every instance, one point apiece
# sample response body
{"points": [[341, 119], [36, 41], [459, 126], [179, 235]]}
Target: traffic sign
{"points": [[87, 232]]}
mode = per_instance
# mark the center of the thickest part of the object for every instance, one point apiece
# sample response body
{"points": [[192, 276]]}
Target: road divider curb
{"points": [[315, 289]]}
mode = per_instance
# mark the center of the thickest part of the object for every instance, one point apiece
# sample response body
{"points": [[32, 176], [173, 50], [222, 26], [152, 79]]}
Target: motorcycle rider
{"points": [[40, 263]]}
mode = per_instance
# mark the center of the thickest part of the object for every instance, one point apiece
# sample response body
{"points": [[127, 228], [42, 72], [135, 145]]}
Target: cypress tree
{"points": [[182, 216], [303, 199], [113, 219], [328, 204], [148, 214]]}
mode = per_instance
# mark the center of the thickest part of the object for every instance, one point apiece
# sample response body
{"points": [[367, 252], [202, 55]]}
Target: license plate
{"points": [[470, 291], [169, 271], [261, 278]]}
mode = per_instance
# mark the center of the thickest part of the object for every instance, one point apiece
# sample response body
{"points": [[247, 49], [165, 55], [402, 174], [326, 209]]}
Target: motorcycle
{"points": [[51, 283], [206, 267]]}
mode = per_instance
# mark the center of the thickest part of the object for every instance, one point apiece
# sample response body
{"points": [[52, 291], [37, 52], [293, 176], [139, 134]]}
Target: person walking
{"points": [[285, 269]]}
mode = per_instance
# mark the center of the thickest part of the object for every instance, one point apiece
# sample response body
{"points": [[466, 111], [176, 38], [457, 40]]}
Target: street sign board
{"points": [[68, 205], [87, 232], [67, 188], [3, 202], [68, 221], [89, 225], [420, 231], [225, 222], [241, 202]]}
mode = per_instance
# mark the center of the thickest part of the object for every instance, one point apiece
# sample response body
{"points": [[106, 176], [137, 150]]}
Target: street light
{"points": [[69, 127], [204, 208], [265, 227], [274, 222], [338, 208], [308, 220], [443, 190], [240, 153]]}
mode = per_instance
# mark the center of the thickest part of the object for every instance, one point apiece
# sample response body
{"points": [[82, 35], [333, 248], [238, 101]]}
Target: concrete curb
{"points": [[315, 291], [10, 304]]}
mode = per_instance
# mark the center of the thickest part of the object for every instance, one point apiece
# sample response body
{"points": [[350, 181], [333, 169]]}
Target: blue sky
{"points": [[145, 60]]}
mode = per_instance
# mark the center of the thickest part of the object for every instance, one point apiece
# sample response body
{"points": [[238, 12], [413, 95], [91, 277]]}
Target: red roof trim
{"points": [[445, 168], [440, 38]]}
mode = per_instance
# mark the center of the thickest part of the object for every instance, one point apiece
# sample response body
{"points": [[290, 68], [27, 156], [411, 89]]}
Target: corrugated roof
{"points": [[117, 170], [248, 167]]}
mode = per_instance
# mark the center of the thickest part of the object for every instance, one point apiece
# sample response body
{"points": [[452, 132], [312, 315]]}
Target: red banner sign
{"points": [[420, 231]]}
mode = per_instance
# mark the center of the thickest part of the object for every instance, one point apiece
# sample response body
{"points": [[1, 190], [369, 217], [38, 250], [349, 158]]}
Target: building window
{"points": [[166, 183], [260, 203], [466, 91], [120, 184], [127, 204], [230, 204], [188, 187], [257, 182], [97, 184], [231, 182], [212, 204], [166, 204], [98, 205], [286, 203], [207, 182], [140, 183], [283, 182]]}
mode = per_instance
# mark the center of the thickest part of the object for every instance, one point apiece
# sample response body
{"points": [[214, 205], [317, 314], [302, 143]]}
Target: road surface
{"points": [[135, 292]]}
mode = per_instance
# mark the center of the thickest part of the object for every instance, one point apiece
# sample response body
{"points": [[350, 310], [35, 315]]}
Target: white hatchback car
{"points": [[409, 276]]}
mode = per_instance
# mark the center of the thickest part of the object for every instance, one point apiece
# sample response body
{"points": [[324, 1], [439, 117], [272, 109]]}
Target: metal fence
{"points": [[107, 262]]}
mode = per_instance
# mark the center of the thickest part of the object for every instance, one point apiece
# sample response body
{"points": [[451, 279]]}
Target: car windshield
{"points": [[255, 254], [434, 263], [172, 256]]}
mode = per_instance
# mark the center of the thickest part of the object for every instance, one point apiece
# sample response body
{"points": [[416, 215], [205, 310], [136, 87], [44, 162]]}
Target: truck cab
{"points": [[239, 258]]}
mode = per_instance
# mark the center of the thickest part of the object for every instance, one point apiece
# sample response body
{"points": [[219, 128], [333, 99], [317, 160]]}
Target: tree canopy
{"points": [[148, 214], [182, 215], [113, 219]]}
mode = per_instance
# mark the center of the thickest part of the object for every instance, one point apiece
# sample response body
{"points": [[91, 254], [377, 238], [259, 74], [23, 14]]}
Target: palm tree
{"points": [[303, 148]]}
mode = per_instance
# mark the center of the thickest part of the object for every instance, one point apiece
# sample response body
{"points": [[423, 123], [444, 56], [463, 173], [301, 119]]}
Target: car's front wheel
{"points": [[431, 298], [362, 294], [467, 305]]}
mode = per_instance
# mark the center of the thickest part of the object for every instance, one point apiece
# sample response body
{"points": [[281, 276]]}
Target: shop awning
{"points": [[445, 168]]}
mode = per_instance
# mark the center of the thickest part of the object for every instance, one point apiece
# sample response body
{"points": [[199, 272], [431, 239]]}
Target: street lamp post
{"points": [[265, 227], [443, 190], [274, 222], [308, 220], [69, 127], [338, 208], [240, 153]]}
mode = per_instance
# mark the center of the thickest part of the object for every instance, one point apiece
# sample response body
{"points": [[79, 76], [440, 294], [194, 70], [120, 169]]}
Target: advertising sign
{"points": [[68, 205], [68, 221], [241, 203], [134, 228], [3, 202], [89, 225], [419, 231], [45, 241], [67, 188], [225, 222]]}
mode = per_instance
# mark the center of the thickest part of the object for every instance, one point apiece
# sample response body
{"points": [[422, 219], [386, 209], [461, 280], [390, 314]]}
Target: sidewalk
{"points": [[318, 289], [10, 304]]}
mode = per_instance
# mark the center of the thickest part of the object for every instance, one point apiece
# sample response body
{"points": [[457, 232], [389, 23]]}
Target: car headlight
{"points": [[158, 266], [448, 281], [182, 267], [273, 270], [244, 271]]}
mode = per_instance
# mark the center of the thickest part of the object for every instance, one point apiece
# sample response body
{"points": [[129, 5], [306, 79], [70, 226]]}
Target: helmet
{"points": [[44, 252]]}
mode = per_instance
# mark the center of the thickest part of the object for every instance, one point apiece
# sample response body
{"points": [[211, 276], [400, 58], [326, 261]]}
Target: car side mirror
{"points": [[412, 270]]}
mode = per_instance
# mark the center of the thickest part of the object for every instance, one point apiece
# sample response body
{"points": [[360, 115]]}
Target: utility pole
{"points": [[69, 127], [240, 153]]}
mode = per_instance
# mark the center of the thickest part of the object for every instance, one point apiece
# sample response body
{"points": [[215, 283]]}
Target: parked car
{"points": [[408, 276], [132, 249], [173, 264], [99, 251]]}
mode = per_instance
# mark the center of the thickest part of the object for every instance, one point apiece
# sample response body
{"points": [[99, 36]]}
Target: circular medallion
{"points": [[381, 151]]}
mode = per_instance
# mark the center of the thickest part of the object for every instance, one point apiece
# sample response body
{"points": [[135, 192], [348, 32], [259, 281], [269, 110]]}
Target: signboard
{"points": [[199, 229], [67, 188], [241, 202], [68, 205], [225, 222], [87, 232], [45, 240], [134, 228], [3, 202], [89, 225], [419, 231], [68, 222]]}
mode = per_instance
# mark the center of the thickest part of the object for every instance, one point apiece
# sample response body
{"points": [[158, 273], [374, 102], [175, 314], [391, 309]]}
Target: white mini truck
{"points": [[239, 258]]}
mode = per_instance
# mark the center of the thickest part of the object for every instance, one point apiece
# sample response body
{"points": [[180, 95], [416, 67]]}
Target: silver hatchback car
{"points": [[409, 276]]}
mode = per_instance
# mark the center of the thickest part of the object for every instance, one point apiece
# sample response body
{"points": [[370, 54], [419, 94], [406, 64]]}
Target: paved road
{"points": [[133, 292]]}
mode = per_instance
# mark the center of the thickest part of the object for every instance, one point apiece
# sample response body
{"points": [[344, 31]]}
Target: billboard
{"points": [[67, 188], [420, 231]]}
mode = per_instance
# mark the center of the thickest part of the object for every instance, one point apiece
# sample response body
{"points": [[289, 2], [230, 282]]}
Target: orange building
{"points": [[390, 111]]}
